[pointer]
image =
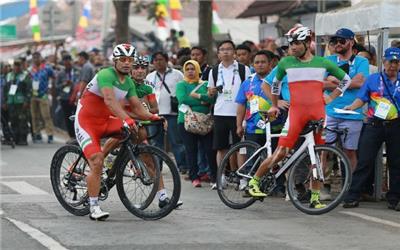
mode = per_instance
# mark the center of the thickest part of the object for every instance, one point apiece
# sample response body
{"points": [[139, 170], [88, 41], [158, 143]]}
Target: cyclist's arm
{"points": [[139, 110], [153, 105], [113, 105], [358, 103]]}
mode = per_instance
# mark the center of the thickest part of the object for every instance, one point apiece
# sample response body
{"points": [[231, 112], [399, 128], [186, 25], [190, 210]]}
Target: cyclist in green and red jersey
{"points": [[99, 113], [305, 74]]}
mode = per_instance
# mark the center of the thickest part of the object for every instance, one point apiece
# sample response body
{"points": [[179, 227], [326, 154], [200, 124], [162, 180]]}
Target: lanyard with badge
{"points": [[227, 89], [383, 108], [13, 88], [254, 104]]}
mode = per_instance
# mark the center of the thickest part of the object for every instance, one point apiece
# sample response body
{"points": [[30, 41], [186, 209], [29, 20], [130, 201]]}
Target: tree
{"points": [[205, 27], [122, 21]]}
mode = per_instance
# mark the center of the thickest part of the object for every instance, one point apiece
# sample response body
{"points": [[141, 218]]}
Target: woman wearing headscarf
{"points": [[192, 94]]}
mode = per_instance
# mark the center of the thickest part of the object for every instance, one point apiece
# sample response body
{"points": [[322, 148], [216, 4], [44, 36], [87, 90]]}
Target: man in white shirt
{"points": [[224, 81], [164, 80]]}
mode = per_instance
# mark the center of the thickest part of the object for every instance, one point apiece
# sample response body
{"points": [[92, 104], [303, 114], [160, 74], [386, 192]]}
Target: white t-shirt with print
{"points": [[172, 77], [229, 78]]}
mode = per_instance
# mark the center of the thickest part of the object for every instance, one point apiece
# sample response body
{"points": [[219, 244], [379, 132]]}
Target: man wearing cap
{"points": [[357, 68], [382, 93], [18, 91]]}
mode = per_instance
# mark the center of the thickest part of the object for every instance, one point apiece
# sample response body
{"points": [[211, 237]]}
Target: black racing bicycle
{"points": [[138, 171]]}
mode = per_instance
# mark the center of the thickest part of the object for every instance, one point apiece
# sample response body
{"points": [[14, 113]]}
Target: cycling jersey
{"points": [[93, 118], [305, 81]]}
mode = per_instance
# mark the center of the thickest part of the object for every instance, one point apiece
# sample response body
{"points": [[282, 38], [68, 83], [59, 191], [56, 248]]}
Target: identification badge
{"points": [[254, 106], [228, 95], [261, 124], [35, 85], [183, 108], [13, 89], [382, 110], [66, 89], [242, 151]]}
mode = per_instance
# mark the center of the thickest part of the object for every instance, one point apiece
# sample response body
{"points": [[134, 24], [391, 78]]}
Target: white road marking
{"points": [[1, 212], [372, 219], [24, 188], [24, 176], [42, 238]]}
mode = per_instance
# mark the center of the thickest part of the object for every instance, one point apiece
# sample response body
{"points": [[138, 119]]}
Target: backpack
{"points": [[241, 68]]}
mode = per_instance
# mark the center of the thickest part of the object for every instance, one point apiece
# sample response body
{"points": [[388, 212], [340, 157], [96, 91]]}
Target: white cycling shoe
{"points": [[97, 214]]}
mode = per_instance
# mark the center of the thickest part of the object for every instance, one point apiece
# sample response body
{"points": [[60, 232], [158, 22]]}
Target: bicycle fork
{"points": [[316, 166]]}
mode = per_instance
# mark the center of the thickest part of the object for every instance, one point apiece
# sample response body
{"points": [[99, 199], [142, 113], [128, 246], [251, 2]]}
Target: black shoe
{"points": [[394, 206], [350, 204], [50, 139], [37, 138], [22, 143], [165, 202]]}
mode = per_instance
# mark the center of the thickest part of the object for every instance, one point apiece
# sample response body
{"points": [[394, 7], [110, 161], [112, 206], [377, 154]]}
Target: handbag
{"points": [[198, 123], [173, 100]]}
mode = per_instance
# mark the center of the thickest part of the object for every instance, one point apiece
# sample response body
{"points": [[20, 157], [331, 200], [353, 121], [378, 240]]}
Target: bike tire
{"points": [[301, 166], [148, 209], [59, 161], [227, 179]]}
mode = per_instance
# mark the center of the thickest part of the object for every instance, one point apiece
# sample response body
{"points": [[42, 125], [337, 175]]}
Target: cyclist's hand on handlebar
{"points": [[130, 124], [273, 111], [155, 117]]}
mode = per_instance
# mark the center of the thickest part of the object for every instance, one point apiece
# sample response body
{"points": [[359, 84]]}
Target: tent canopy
{"points": [[368, 15]]}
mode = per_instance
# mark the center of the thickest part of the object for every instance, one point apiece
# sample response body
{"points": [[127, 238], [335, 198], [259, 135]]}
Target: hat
{"points": [[344, 33], [392, 54]]}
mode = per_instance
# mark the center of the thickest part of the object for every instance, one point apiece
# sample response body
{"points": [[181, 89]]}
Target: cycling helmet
{"points": [[141, 60], [124, 49], [298, 34]]}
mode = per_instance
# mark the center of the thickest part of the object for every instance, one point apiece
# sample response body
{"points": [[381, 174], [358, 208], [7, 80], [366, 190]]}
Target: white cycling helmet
{"points": [[124, 49], [141, 60], [298, 34]]}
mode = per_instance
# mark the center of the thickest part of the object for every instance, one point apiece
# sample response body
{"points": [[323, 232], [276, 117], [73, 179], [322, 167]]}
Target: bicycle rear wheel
{"points": [[68, 178], [337, 179], [139, 196], [232, 188]]}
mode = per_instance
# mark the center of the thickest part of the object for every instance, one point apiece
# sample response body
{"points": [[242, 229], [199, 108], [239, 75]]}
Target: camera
{"points": [[219, 89]]}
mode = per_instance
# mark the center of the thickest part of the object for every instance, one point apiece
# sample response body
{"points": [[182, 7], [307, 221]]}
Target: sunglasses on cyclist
{"points": [[126, 59], [337, 40], [139, 66]]}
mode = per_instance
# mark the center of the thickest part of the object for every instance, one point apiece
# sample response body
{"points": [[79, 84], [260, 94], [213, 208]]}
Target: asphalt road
{"points": [[31, 218]]}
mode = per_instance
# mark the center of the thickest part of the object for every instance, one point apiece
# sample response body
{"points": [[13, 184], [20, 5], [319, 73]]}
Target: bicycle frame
{"points": [[308, 144]]}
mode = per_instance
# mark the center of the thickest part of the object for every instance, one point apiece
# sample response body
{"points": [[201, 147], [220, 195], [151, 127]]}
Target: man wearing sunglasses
{"points": [[357, 68], [99, 113]]}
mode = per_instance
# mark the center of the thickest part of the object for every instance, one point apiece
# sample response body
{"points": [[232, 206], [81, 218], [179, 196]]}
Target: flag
{"points": [[216, 21], [84, 19], [34, 20], [161, 15], [175, 10]]}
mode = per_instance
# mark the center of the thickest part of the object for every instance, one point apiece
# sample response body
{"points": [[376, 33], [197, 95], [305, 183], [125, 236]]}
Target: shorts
{"points": [[354, 126], [224, 132], [296, 122], [89, 130]]}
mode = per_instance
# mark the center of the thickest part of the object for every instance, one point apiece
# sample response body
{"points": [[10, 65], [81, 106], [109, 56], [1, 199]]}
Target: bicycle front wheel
{"points": [[138, 193], [68, 178], [337, 179], [231, 187]]}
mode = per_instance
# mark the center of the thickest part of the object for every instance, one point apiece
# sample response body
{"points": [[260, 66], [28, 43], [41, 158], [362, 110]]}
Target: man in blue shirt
{"points": [[382, 93], [357, 68], [41, 75], [252, 97]]}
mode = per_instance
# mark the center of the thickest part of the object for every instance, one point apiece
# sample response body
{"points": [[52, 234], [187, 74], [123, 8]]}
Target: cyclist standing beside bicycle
{"points": [[307, 102], [101, 100]]}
